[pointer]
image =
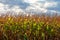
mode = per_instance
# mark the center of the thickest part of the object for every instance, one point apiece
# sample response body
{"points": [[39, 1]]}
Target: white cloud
{"points": [[50, 4], [41, 6], [5, 8], [42, 0], [16, 9], [35, 6], [31, 1]]}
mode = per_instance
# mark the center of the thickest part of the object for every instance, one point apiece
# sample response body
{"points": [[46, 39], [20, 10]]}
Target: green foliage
{"points": [[28, 29]]}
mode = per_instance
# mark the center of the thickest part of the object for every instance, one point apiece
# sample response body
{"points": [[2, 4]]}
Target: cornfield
{"points": [[30, 28]]}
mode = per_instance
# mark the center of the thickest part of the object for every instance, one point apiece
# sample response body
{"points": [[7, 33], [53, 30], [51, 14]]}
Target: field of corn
{"points": [[30, 28]]}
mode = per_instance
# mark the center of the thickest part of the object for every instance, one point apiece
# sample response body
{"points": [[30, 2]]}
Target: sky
{"points": [[30, 6]]}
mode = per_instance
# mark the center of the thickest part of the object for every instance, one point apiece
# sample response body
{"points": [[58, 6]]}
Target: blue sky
{"points": [[37, 6]]}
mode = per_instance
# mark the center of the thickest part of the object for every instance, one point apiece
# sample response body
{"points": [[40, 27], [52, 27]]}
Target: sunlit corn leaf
{"points": [[9, 18], [49, 29], [34, 24], [41, 23], [24, 26], [52, 30], [43, 36], [38, 27]]}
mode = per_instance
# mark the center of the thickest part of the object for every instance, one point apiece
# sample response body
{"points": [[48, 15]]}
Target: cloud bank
{"points": [[29, 6]]}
